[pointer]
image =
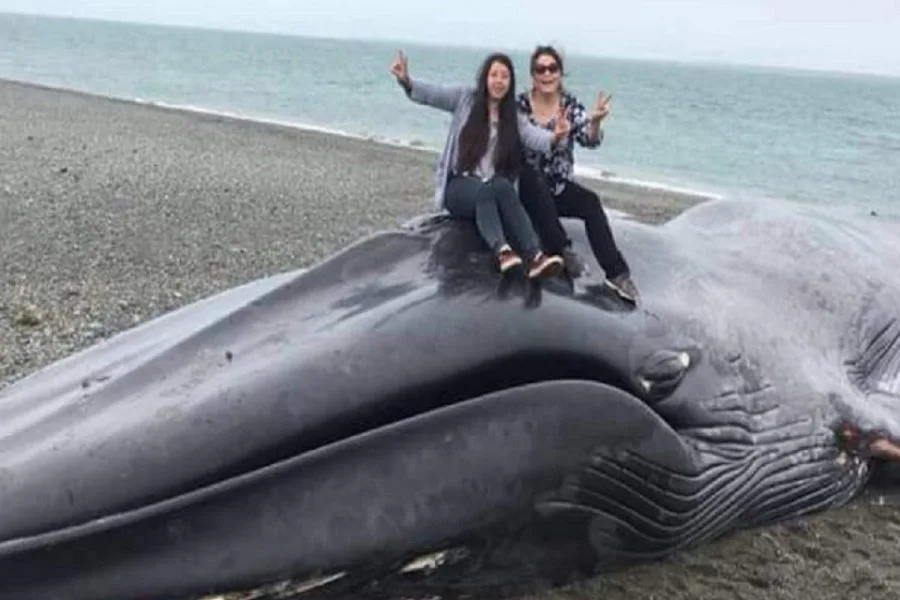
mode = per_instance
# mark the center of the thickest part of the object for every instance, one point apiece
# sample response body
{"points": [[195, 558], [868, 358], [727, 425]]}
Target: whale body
{"points": [[398, 418]]}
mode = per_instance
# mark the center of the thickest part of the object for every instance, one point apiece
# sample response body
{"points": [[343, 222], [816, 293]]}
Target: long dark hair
{"points": [[473, 138]]}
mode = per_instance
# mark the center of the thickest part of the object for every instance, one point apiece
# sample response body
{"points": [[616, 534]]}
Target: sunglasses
{"points": [[541, 69]]}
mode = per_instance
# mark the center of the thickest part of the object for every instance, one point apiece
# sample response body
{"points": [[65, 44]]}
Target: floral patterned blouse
{"points": [[557, 166]]}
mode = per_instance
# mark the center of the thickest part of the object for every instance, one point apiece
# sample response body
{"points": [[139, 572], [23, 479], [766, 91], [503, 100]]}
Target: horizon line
{"points": [[691, 62]]}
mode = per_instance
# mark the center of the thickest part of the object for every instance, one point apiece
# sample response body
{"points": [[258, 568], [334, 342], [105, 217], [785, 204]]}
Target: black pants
{"points": [[577, 202]]}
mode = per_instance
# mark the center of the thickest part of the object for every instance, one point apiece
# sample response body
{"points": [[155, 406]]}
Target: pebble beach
{"points": [[112, 213]]}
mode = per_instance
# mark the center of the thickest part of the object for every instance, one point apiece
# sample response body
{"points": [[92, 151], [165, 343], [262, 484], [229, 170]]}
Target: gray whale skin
{"points": [[397, 420]]}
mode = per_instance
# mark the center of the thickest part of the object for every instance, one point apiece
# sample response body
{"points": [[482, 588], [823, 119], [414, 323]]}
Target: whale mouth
{"points": [[655, 378], [479, 380], [397, 405]]}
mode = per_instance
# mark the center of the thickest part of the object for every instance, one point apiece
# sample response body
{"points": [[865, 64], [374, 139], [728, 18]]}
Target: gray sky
{"points": [[846, 35]]}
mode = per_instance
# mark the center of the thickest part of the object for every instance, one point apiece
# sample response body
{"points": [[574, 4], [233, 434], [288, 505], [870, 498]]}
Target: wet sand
{"points": [[112, 213]]}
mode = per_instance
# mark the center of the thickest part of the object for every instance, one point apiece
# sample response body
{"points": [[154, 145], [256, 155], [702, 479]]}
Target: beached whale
{"points": [[398, 415]]}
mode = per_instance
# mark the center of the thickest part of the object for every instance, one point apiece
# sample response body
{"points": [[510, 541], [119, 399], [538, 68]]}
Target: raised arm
{"points": [[442, 97]]}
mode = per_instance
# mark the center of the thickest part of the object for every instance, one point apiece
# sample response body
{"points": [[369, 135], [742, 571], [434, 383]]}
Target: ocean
{"points": [[716, 130]]}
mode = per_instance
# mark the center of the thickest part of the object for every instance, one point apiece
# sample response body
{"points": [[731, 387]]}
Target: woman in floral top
{"points": [[554, 193]]}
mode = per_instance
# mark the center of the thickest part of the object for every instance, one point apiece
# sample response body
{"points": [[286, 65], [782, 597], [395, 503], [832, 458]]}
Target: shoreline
{"points": [[91, 154], [113, 213], [592, 177]]}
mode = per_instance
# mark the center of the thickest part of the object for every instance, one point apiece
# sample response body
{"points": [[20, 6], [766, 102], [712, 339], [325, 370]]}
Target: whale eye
{"points": [[660, 373]]}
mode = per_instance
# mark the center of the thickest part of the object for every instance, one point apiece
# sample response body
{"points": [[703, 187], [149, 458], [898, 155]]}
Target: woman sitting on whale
{"points": [[477, 174], [556, 194]]}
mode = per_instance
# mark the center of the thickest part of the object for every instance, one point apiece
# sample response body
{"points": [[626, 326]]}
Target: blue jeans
{"points": [[495, 207]]}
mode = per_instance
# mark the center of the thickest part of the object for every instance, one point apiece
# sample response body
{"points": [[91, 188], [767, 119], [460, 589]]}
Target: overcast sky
{"points": [[846, 35]]}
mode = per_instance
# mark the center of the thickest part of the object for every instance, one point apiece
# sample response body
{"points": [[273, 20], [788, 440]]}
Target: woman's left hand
{"points": [[601, 107]]}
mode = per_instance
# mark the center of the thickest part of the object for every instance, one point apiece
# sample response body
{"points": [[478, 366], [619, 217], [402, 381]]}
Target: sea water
{"points": [[719, 130]]}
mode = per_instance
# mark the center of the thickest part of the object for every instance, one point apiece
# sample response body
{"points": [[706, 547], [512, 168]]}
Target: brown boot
{"points": [[545, 266], [507, 258]]}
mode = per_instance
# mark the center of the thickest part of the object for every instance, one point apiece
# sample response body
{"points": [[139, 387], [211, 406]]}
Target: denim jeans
{"points": [[495, 207]]}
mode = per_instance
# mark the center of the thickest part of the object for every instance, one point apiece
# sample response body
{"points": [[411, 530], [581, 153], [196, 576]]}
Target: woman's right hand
{"points": [[400, 68]]}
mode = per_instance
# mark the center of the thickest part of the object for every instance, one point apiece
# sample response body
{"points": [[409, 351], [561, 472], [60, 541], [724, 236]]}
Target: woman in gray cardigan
{"points": [[478, 169]]}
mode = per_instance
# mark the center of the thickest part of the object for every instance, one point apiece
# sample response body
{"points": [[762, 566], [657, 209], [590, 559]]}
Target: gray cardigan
{"points": [[457, 100]]}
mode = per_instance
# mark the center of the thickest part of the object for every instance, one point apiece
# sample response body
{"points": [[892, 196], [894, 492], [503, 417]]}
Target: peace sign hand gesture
{"points": [[601, 108], [400, 68], [562, 126]]}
